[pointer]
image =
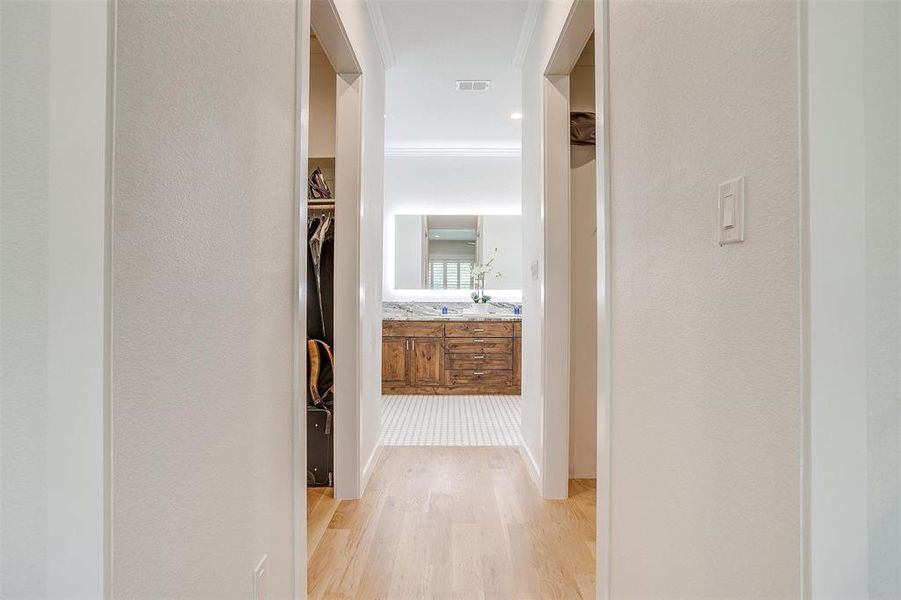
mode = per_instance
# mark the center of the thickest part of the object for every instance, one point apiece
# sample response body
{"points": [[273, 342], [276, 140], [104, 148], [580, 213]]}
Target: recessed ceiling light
{"points": [[516, 116]]}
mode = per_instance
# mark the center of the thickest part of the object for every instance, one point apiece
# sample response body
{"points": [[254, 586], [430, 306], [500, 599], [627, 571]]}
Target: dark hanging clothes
{"points": [[321, 278]]}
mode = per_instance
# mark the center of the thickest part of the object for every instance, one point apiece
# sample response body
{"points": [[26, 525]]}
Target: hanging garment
{"points": [[320, 278], [318, 188]]}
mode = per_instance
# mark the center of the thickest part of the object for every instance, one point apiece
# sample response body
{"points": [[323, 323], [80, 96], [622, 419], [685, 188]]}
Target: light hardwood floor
{"points": [[453, 523]]}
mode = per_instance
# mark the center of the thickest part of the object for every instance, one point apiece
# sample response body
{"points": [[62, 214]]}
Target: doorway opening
{"points": [[330, 208], [574, 453], [451, 370]]}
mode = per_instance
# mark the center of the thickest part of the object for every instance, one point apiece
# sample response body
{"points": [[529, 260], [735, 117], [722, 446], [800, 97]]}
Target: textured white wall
{"points": [[202, 268], [705, 340], [52, 125]]}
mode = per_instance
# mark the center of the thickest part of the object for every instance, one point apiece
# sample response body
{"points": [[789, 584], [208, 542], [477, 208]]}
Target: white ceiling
{"points": [[435, 43]]}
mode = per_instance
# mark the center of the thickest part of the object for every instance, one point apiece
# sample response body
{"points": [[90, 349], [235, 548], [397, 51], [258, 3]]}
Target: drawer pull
{"points": [[478, 372], [479, 329], [477, 341], [479, 356]]}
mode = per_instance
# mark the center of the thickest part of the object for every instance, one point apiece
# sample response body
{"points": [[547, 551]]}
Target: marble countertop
{"points": [[457, 311]]}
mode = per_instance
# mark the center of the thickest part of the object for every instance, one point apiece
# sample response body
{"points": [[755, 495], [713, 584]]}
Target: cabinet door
{"points": [[517, 361], [394, 360], [427, 361]]}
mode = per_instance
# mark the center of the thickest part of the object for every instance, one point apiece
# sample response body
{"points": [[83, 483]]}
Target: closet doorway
{"points": [[576, 425], [329, 176]]}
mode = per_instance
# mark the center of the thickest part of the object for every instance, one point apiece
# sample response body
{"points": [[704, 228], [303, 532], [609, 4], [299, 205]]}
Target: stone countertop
{"points": [[457, 311]]}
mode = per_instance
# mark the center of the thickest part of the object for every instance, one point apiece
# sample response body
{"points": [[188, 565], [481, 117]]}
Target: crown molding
{"points": [[525, 33], [412, 152], [377, 20]]}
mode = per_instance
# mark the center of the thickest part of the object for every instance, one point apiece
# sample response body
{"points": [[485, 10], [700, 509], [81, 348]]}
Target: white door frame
{"points": [[556, 210], [322, 17], [585, 17]]}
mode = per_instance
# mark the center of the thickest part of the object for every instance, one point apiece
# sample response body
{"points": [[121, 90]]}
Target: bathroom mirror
{"points": [[439, 252]]}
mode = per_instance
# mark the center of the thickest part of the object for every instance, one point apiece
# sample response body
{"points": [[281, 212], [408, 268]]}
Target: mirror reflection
{"points": [[448, 252]]}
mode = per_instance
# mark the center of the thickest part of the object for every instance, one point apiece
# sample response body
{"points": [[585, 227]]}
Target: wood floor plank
{"points": [[455, 523], [321, 507]]}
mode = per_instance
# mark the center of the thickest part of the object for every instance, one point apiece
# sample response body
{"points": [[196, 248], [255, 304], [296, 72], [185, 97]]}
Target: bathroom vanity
{"points": [[469, 354]]}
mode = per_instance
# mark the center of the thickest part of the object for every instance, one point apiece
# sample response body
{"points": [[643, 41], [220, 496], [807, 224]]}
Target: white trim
{"points": [[412, 152], [326, 23], [555, 207], [557, 256], [107, 575], [525, 33], [299, 312], [377, 21], [604, 308], [805, 346], [370, 467], [531, 465], [347, 307]]}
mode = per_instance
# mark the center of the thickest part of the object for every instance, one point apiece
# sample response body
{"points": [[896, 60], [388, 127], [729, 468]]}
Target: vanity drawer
{"points": [[471, 376], [479, 345], [478, 361], [486, 329], [412, 329]]}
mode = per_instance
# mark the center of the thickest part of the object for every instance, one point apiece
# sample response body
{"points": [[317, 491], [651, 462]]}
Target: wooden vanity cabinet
{"points": [[412, 354], [461, 357], [517, 354], [395, 361], [426, 361]]}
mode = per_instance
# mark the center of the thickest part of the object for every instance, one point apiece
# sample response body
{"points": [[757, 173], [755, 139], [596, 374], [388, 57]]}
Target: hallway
{"points": [[454, 523]]}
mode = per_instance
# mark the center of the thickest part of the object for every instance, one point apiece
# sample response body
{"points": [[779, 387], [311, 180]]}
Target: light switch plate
{"points": [[259, 580], [731, 212], [533, 268]]}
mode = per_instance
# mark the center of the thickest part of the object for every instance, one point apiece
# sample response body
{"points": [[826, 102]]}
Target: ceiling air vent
{"points": [[472, 85]]}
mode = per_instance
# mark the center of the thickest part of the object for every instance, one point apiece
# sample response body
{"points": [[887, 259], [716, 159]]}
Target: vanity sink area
{"points": [[427, 352], [445, 343]]}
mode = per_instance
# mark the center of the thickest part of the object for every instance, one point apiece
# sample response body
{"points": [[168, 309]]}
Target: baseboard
{"points": [[531, 465], [369, 468]]}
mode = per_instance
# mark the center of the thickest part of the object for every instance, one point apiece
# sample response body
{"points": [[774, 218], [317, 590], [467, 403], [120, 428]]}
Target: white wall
{"points": [[408, 248], [504, 234], [855, 298], [202, 287], [705, 380], [52, 124], [583, 291], [446, 185]]}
